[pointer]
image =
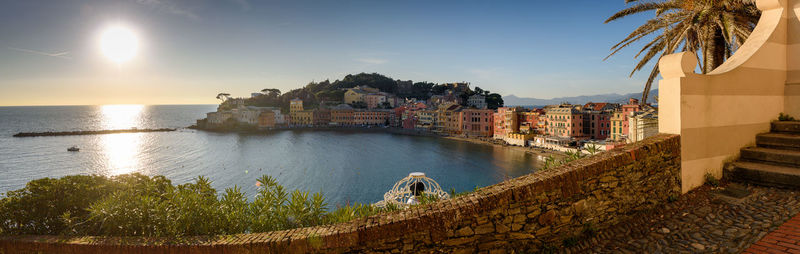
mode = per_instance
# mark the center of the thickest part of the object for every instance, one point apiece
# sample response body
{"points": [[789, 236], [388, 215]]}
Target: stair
{"points": [[775, 161]]}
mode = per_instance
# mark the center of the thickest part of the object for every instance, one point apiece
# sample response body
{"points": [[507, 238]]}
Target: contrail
{"points": [[59, 54]]}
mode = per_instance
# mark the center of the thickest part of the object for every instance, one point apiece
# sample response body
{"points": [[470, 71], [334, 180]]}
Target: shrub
{"points": [[138, 205], [43, 204], [711, 180], [785, 117]]}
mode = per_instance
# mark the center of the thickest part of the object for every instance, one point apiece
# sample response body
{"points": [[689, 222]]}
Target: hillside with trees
{"points": [[315, 93]]}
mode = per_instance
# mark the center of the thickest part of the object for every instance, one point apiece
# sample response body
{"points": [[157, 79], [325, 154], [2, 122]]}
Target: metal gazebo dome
{"points": [[406, 190]]}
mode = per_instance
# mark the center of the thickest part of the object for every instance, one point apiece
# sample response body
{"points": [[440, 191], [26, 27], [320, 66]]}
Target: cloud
{"points": [[243, 3], [168, 6], [372, 60], [41, 53]]}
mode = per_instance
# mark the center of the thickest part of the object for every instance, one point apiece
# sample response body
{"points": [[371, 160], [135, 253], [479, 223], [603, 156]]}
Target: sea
{"points": [[346, 166]]}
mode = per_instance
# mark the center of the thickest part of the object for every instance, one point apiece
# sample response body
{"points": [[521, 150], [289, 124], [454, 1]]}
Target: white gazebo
{"points": [[406, 191]]}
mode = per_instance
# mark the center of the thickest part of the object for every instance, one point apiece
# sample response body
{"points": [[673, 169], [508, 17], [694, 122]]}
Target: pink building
{"points": [[619, 120], [374, 100], [409, 119], [477, 122], [566, 121], [505, 122]]}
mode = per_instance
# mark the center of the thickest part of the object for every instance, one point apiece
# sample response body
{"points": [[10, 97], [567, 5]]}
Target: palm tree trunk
{"points": [[718, 51]]}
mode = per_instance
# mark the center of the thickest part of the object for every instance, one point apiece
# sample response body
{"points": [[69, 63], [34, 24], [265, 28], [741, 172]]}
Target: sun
{"points": [[119, 44]]}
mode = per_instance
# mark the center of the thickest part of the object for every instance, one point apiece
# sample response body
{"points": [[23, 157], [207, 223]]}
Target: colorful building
{"points": [[477, 101], [619, 120], [528, 121], [448, 116], [642, 125], [477, 122], [426, 119], [266, 119], [374, 100], [271, 118], [505, 121], [218, 118], [371, 117], [295, 105], [321, 117], [518, 139], [566, 121], [342, 115]]}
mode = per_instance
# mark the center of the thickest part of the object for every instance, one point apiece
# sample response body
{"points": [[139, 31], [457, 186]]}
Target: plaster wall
{"points": [[719, 113]]}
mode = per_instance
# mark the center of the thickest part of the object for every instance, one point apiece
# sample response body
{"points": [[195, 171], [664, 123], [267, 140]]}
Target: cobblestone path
{"points": [[699, 222]]}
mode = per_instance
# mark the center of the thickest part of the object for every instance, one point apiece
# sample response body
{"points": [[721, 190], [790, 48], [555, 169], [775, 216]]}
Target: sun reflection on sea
{"points": [[121, 116], [121, 150]]}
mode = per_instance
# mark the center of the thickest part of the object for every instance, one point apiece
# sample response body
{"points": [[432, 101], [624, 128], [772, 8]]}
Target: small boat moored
{"points": [[73, 149]]}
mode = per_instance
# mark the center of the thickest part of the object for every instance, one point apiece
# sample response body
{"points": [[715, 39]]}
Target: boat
{"points": [[73, 149]]}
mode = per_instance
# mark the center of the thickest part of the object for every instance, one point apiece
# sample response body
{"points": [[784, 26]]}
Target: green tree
{"points": [[712, 29], [494, 100]]}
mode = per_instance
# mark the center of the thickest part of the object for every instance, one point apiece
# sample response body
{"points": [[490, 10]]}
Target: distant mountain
{"points": [[511, 100]]}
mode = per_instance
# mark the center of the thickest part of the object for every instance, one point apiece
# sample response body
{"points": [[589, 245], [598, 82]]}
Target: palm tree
{"points": [[713, 29], [592, 149]]}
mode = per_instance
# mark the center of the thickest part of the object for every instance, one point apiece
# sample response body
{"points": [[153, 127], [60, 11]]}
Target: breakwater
{"points": [[73, 133]]}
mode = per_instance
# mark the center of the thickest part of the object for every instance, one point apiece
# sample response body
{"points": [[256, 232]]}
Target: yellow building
{"points": [[444, 114], [358, 94], [295, 105], [303, 117], [518, 139], [426, 119]]}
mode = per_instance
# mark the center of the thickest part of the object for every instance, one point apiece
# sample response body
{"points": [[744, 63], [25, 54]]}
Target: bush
{"points": [[785, 117], [711, 180], [138, 205]]}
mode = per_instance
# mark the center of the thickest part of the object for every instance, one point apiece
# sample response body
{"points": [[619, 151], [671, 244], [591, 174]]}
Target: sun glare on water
{"points": [[121, 151], [119, 44], [121, 116]]}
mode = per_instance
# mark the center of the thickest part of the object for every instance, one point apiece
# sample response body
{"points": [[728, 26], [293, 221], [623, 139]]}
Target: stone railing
{"points": [[719, 113], [525, 214]]}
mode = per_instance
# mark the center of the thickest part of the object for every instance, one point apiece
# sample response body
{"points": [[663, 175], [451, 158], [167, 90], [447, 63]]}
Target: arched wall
{"points": [[721, 112]]}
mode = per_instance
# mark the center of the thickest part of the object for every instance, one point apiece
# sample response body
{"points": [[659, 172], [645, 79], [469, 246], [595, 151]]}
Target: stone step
{"points": [[779, 140], [764, 174], [786, 126], [776, 156]]}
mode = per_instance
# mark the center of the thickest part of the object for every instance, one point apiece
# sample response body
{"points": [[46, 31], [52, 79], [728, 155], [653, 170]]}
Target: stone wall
{"points": [[524, 214]]}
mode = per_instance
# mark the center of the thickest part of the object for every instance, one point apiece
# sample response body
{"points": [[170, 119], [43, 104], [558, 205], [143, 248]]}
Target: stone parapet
{"points": [[524, 214]]}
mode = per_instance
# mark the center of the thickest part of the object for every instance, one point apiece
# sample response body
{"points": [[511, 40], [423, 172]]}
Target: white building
{"points": [[642, 125], [477, 101], [217, 118], [249, 115]]}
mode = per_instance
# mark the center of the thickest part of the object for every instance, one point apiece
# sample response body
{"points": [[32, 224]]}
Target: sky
{"points": [[191, 50]]}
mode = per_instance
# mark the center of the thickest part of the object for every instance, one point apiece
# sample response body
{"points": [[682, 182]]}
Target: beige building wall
{"points": [[719, 113]]}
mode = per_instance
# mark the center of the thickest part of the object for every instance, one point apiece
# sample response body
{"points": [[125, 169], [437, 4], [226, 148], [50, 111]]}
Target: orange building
{"points": [[371, 117], [266, 119], [505, 122], [342, 115]]}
